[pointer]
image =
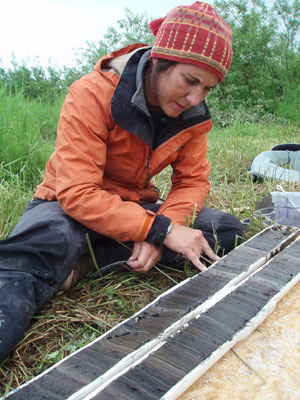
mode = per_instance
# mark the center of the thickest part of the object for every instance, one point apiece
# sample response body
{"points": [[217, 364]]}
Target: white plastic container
{"points": [[287, 208]]}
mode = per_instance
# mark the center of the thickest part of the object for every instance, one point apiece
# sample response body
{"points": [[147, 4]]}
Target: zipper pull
{"points": [[147, 167]]}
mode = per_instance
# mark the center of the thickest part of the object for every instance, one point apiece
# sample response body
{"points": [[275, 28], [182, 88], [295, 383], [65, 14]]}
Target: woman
{"points": [[140, 110]]}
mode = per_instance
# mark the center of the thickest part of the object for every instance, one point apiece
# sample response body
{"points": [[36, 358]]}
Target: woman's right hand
{"points": [[190, 243]]}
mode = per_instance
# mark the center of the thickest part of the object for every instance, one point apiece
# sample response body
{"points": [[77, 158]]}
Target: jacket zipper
{"points": [[148, 166]]}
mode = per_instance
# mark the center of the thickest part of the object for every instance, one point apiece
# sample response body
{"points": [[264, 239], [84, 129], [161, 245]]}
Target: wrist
{"points": [[158, 230]]}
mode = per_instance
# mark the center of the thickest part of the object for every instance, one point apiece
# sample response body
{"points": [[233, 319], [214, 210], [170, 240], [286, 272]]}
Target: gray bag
{"points": [[281, 163]]}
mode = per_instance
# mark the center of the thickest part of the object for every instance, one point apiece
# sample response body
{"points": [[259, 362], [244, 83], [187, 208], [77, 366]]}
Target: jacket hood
{"points": [[125, 51]]}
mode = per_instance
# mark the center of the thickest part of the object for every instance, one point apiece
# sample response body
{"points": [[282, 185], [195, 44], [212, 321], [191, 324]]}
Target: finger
{"points": [[147, 257], [208, 251], [148, 263], [199, 265], [195, 260], [136, 265], [135, 252], [140, 267], [140, 263], [144, 265]]}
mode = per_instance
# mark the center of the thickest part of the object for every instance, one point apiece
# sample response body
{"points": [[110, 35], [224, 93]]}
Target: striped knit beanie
{"points": [[194, 34]]}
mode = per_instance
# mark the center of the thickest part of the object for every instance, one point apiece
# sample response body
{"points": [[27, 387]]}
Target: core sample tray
{"points": [[161, 350]]}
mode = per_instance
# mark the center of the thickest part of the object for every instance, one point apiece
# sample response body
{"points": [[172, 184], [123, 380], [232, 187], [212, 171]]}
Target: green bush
{"points": [[263, 83]]}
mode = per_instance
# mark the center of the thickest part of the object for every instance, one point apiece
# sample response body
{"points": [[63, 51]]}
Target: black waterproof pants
{"points": [[45, 246]]}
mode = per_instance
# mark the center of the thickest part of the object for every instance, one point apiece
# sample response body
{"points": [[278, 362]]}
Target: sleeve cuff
{"points": [[158, 230]]}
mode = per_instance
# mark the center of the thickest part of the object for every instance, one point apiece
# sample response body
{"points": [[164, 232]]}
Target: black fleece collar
{"points": [[129, 106]]}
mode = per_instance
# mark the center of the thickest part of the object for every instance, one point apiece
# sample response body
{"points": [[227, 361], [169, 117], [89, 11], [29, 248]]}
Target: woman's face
{"points": [[180, 87]]}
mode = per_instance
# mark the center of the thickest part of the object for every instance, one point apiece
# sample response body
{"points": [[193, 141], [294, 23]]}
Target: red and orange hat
{"points": [[194, 34]]}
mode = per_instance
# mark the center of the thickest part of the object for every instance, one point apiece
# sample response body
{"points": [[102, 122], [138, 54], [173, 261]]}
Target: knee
{"points": [[231, 223], [229, 234]]}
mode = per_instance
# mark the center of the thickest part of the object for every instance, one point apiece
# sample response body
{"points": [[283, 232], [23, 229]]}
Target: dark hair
{"points": [[153, 71]]}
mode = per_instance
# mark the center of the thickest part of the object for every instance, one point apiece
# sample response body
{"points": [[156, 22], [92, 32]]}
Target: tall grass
{"points": [[288, 106], [27, 138], [27, 135], [14, 196]]}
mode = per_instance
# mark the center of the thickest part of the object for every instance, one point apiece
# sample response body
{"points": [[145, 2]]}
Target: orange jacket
{"points": [[100, 172]]}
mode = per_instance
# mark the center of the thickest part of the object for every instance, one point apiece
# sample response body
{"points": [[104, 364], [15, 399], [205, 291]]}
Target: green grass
{"points": [[14, 196], [71, 320], [27, 138], [288, 107], [27, 135]]}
